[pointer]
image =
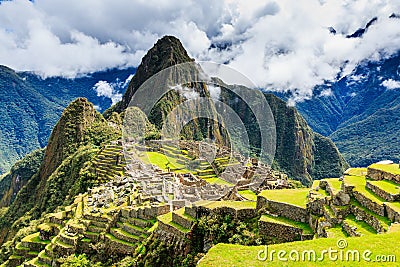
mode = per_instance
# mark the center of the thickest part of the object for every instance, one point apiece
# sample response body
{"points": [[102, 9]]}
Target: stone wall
{"points": [[166, 228], [382, 193], [361, 215], [350, 230], [114, 247], [181, 244], [348, 189], [282, 209], [392, 214], [340, 212], [191, 211], [238, 214], [182, 220], [369, 204], [145, 213], [375, 174], [282, 233], [316, 206]]}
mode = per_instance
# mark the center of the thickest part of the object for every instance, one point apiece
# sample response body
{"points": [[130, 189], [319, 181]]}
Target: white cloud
{"points": [[281, 45], [188, 93], [391, 84], [106, 89], [215, 91], [326, 93]]}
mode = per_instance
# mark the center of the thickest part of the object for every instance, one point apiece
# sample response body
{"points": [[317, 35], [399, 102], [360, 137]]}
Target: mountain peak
{"points": [[68, 133], [166, 52]]}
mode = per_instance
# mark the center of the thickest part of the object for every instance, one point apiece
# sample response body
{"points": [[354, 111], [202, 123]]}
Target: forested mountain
{"points": [[30, 106], [361, 113]]}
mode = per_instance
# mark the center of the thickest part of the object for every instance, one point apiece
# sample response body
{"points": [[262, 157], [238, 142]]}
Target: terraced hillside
{"points": [[109, 163], [357, 207], [116, 218]]}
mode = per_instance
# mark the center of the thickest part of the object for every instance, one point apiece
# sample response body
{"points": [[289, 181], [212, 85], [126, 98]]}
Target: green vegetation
{"points": [[22, 171], [163, 162], [224, 229], [359, 183], [229, 204], [335, 184], [167, 219], [223, 255], [336, 232], [364, 126], [250, 195], [362, 227], [30, 106], [281, 220], [79, 261], [34, 238], [297, 197], [387, 186], [321, 192], [394, 205], [64, 172], [391, 168]]}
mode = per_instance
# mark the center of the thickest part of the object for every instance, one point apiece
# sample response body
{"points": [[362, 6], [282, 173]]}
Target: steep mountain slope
{"points": [[19, 175], [74, 141], [30, 107], [362, 114], [301, 153], [167, 52]]}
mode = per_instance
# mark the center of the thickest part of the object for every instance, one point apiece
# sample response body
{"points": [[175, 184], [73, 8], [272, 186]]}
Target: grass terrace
{"points": [[359, 183], [281, 220], [394, 205], [356, 171], [387, 186], [384, 220], [228, 203], [296, 197], [224, 255], [162, 161], [250, 195], [167, 219], [34, 238], [336, 232], [362, 227], [335, 184], [113, 238], [390, 168]]}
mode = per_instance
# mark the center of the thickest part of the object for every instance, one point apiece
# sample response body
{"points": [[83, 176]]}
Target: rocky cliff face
{"points": [[167, 52]]}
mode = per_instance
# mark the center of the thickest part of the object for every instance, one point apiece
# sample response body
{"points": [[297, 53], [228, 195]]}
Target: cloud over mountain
{"points": [[282, 45]]}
